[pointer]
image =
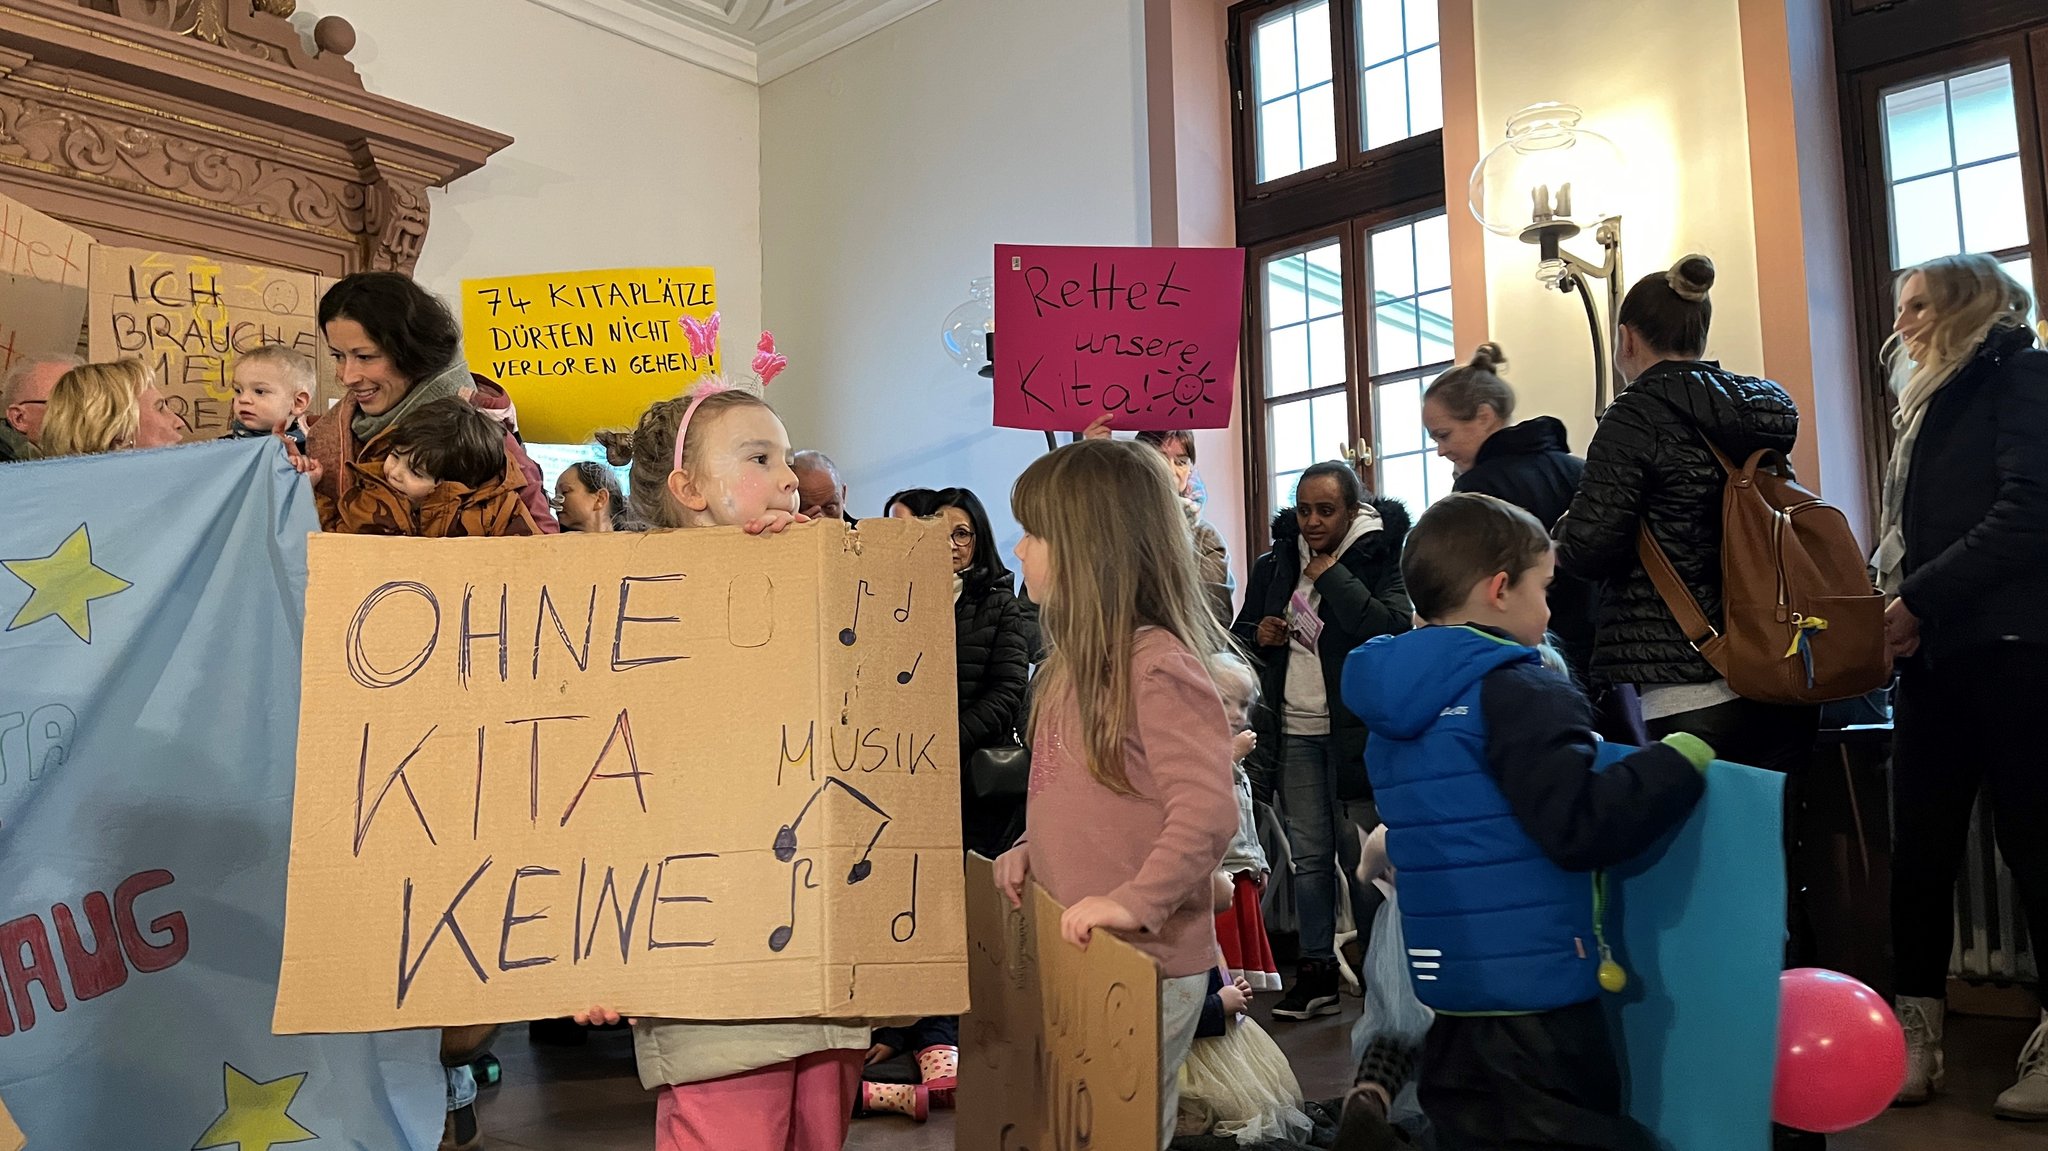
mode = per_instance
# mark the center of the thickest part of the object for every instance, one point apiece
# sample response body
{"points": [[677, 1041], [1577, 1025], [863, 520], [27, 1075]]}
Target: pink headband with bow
{"points": [[703, 335]]}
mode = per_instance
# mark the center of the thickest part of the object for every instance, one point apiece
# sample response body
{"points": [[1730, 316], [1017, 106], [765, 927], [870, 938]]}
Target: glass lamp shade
{"points": [[965, 329], [1549, 176]]}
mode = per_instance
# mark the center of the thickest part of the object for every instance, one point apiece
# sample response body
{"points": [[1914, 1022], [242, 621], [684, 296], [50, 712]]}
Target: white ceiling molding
{"points": [[752, 40]]}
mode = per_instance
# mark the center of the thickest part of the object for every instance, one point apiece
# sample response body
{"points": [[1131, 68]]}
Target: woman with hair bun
{"points": [[1652, 465], [1530, 465]]}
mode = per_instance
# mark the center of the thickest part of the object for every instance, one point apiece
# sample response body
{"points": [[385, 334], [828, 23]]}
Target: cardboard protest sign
{"points": [[11, 1138], [1061, 1048], [188, 317], [1147, 334], [43, 265], [580, 351], [688, 774]]}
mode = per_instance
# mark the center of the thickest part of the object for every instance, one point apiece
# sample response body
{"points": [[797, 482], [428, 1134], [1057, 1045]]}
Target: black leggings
{"points": [[1773, 738], [1970, 724]]}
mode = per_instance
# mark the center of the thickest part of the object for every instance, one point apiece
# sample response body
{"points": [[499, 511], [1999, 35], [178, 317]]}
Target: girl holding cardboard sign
{"points": [[1131, 799], [733, 1086]]}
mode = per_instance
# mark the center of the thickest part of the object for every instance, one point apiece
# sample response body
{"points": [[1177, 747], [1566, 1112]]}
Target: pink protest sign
{"points": [[1149, 334]]}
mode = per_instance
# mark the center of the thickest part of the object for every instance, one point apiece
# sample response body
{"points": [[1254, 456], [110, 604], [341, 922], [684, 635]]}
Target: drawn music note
{"points": [[896, 931], [903, 613], [786, 838], [851, 635], [779, 938], [907, 676]]}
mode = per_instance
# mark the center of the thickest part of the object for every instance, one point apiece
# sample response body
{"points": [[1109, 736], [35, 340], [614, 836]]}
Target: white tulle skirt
{"points": [[1239, 1084]]}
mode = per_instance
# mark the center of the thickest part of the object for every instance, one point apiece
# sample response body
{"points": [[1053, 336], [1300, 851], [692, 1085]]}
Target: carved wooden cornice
{"points": [[212, 113]]}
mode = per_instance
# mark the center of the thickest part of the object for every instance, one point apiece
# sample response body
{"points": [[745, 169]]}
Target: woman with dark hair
{"points": [[996, 642], [1331, 582], [996, 639], [1651, 466], [912, 504], [588, 498], [395, 348]]}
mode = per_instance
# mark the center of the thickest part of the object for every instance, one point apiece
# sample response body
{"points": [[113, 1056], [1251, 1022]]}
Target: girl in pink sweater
{"points": [[1131, 805]]}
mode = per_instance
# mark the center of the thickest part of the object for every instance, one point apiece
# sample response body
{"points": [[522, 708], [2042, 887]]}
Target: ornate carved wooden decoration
{"points": [[206, 125]]}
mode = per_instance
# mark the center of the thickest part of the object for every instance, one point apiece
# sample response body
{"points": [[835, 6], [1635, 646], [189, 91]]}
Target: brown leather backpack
{"points": [[1801, 622]]}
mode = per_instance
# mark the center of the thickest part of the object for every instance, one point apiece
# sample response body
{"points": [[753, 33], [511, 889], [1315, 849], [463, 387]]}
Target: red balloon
{"points": [[1841, 1052]]}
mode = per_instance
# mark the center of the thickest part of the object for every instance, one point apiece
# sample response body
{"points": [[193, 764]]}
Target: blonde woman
{"points": [[107, 408], [1964, 533]]}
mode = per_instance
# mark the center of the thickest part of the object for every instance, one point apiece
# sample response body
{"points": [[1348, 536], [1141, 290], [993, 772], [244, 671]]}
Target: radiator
{"points": [[1991, 934]]}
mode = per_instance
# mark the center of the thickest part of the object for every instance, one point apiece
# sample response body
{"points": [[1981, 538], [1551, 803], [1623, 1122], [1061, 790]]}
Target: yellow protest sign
{"points": [[189, 316], [579, 351], [42, 283], [687, 774], [11, 1138]]}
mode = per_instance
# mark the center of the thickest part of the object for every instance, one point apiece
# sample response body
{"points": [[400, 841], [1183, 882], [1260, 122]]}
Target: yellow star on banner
{"points": [[64, 584], [255, 1119]]}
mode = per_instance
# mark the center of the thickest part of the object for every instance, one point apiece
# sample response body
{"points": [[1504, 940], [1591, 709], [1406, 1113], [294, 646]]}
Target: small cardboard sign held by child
{"points": [[1061, 1048]]}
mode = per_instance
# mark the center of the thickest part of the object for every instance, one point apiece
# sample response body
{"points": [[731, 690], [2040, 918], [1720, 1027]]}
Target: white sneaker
{"points": [[2027, 1100], [1923, 1020]]}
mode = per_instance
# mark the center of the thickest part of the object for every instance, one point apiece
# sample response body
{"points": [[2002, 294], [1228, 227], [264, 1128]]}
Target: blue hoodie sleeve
{"points": [[1539, 743], [1212, 1023]]}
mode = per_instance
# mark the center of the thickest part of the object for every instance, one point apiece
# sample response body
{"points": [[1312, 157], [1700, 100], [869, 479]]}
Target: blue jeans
{"points": [[1308, 808], [461, 1087]]}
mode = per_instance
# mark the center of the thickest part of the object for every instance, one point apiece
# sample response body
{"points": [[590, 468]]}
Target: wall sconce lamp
{"points": [[969, 334], [1547, 182]]}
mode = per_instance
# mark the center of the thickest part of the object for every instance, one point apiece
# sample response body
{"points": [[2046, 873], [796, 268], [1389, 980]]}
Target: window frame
{"points": [[1347, 198], [2025, 50]]}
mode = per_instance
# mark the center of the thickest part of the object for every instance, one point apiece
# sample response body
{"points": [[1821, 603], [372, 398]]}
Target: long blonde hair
{"points": [[1122, 558], [96, 408], [1969, 296]]}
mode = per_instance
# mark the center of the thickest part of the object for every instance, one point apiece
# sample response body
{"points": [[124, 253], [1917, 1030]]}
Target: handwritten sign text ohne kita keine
{"points": [[690, 774]]}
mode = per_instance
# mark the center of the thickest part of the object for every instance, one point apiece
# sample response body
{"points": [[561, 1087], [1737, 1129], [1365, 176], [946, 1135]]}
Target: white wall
{"points": [[889, 170], [625, 157], [1664, 81]]}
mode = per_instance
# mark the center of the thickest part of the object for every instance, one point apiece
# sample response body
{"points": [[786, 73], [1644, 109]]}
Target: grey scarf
{"points": [[449, 381]]}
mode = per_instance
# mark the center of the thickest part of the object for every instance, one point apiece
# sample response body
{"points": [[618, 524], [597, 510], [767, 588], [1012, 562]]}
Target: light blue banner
{"points": [[151, 606], [1702, 937]]}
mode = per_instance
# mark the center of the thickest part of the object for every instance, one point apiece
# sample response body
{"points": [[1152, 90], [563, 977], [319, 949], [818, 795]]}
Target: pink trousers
{"points": [[802, 1105]]}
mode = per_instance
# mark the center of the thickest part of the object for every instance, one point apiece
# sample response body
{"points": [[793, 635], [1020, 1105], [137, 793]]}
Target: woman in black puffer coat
{"points": [[1529, 464], [1649, 464], [996, 638], [1331, 582]]}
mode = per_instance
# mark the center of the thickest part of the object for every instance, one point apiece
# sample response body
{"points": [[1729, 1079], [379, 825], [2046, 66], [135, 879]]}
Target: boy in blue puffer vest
{"points": [[1481, 761]]}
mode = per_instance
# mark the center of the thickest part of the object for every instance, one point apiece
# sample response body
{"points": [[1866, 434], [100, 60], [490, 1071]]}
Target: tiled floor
{"points": [[589, 1099]]}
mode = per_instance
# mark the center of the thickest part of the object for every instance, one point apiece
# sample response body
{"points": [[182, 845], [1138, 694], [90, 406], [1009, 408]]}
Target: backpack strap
{"points": [[1678, 598]]}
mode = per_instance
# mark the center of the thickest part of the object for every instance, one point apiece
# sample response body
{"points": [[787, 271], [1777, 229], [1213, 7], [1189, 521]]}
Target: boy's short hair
{"points": [[298, 370], [449, 440], [1462, 539]]}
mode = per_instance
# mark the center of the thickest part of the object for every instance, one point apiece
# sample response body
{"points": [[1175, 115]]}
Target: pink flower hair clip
{"points": [[768, 363]]}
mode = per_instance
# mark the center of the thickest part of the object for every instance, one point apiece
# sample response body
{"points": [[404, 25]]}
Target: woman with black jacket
{"points": [[1964, 551], [1529, 464], [1331, 582], [996, 637], [1650, 464]]}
